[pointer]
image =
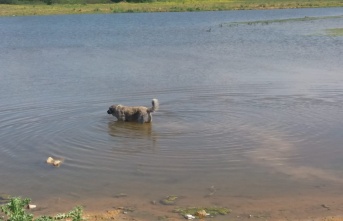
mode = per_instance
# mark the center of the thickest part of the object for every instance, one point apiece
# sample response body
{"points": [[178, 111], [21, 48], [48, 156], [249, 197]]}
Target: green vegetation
{"points": [[44, 7], [212, 211], [169, 200], [14, 210], [267, 22], [335, 32]]}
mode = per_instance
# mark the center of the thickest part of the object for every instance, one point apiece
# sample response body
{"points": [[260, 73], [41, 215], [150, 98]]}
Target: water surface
{"points": [[251, 110]]}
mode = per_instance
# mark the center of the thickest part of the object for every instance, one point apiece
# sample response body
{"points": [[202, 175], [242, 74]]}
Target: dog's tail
{"points": [[155, 105]]}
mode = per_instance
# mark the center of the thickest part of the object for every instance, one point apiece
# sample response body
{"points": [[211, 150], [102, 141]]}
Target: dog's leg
{"points": [[144, 118], [149, 118], [121, 115], [141, 119]]}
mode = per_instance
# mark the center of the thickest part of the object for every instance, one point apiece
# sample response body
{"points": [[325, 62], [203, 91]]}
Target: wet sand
{"points": [[318, 206]]}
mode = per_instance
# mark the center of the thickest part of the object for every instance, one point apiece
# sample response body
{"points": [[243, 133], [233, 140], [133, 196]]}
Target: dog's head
{"points": [[113, 109], [116, 110]]}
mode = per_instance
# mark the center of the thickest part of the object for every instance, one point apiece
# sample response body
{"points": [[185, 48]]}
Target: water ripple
{"points": [[235, 106]]}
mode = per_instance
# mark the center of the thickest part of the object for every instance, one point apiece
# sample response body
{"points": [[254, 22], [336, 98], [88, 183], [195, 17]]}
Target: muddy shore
{"points": [[321, 207]]}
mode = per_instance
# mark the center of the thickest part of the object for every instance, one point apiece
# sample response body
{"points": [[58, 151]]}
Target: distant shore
{"points": [[159, 6]]}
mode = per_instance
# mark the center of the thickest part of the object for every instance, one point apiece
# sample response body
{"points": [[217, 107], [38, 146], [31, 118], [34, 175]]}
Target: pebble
{"points": [[325, 206]]}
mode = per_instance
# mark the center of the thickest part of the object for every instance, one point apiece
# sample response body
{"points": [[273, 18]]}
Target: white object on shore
{"points": [[189, 216], [31, 206]]}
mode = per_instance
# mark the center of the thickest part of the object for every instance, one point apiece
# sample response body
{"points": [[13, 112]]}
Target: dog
{"points": [[138, 114]]}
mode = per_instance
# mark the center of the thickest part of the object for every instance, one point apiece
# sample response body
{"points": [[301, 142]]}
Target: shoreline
{"points": [[319, 206], [242, 208], [124, 7]]}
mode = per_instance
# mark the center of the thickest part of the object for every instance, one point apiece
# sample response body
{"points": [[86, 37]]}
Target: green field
{"points": [[41, 8]]}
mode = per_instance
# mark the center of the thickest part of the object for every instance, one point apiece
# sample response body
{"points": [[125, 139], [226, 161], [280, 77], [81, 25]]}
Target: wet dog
{"points": [[138, 114]]}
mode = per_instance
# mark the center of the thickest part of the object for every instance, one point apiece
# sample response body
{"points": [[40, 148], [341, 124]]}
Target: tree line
{"points": [[50, 2]]}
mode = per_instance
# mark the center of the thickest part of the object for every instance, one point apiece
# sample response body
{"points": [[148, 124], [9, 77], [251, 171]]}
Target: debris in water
{"points": [[212, 190], [120, 195], [50, 160], [54, 162]]}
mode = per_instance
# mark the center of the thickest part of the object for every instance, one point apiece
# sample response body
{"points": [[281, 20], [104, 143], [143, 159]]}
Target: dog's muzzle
{"points": [[109, 112]]}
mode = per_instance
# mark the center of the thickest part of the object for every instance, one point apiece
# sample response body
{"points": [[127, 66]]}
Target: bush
{"points": [[133, 1], [15, 211], [8, 2]]}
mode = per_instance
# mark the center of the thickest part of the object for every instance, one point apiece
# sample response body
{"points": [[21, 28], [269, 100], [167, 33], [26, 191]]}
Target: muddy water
{"points": [[248, 110]]}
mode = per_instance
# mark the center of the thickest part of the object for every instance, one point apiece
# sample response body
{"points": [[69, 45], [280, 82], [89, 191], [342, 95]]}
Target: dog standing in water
{"points": [[138, 114]]}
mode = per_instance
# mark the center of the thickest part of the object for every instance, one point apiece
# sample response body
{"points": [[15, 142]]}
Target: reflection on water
{"points": [[277, 153], [133, 137], [252, 110]]}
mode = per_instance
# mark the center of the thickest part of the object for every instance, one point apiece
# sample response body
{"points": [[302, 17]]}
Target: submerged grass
{"points": [[267, 22], [335, 32], [162, 6]]}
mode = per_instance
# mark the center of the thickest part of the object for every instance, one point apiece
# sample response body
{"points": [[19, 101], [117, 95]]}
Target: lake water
{"points": [[247, 110]]}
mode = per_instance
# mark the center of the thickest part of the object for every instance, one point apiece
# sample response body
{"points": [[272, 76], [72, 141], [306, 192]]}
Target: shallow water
{"points": [[252, 110]]}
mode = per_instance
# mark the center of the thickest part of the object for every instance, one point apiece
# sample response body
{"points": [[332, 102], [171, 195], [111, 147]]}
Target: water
{"points": [[249, 111]]}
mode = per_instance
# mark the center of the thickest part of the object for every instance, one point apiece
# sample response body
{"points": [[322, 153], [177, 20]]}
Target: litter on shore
{"points": [[31, 206]]}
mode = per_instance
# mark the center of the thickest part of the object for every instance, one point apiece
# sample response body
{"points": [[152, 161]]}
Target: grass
{"points": [[335, 32], [162, 6], [15, 210]]}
